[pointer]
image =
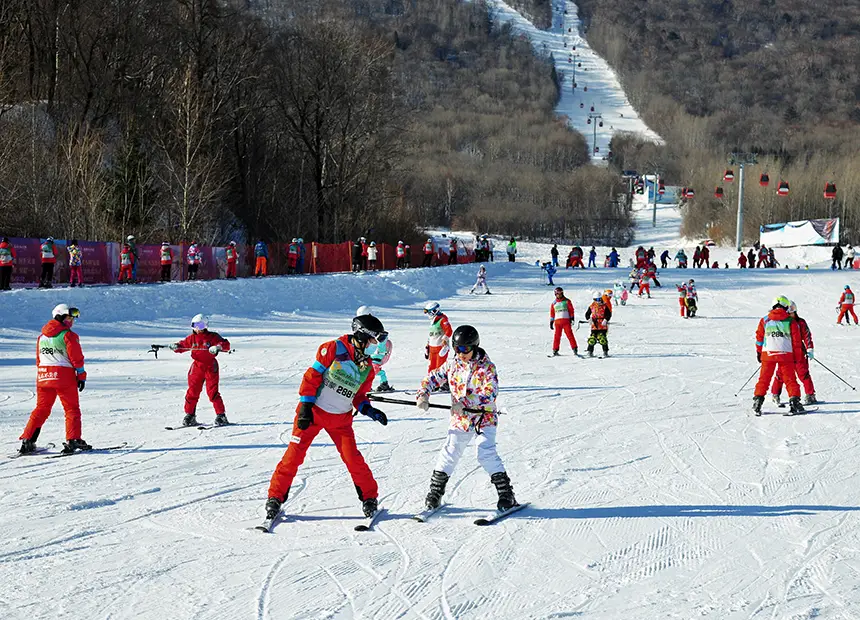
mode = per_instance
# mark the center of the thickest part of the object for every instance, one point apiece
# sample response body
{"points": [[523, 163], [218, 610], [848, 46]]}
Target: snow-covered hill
{"points": [[653, 493], [597, 85]]}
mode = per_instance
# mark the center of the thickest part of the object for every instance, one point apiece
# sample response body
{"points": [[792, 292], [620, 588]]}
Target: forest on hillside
{"points": [[209, 120], [778, 78]]}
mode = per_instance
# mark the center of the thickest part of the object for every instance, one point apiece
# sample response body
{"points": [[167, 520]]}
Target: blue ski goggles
{"points": [[464, 348]]}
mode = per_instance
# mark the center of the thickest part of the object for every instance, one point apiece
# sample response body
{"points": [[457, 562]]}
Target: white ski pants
{"points": [[456, 443]]}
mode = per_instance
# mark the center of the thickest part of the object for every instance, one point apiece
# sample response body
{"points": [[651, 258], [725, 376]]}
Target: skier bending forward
{"points": [[338, 380], [474, 384]]}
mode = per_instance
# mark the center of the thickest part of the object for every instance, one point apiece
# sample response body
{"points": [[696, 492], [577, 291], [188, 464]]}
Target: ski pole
{"points": [[835, 375], [398, 401], [748, 380], [156, 347]]}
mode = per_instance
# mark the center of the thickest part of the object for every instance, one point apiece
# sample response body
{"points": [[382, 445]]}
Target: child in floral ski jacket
{"points": [[474, 384]]}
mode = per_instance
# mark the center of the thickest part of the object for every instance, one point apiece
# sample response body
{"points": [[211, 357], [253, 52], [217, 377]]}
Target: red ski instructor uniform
{"points": [[560, 317], [60, 362], [334, 384], [778, 341], [204, 369]]}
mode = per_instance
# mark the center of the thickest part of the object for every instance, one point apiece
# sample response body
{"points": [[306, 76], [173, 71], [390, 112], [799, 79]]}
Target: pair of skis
{"points": [[46, 451], [365, 526], [199, 427], [489, 519]]}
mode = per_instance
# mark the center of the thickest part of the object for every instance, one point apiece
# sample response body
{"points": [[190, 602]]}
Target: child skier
{"points": [[644, 284], [205, 347], [682, 298], [194, 259], [379, 354], [232, 255], [436, 349], [60, 372], [561, 315], [75, 264], [550, 272], [126, 263], [167, 261], [846, 305], [692, 299], [481, 282], [599, 315], [472, 380], [337, 382]]}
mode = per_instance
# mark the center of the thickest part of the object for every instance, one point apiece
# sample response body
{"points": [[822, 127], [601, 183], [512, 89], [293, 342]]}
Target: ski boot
{"points": [[506, 492], [590, 352], [776, 400], [810, 399], [221, 420], [369, 506], [75, 445], [758, 401], [437, 489], [273, 507], [385, 387], [28, 446], [576, 350], [189, 420], [554, 352], [794, 406], [605, 352]]}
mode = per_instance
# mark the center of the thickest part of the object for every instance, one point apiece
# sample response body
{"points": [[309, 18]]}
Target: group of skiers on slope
{"points": [[766, 258], [575, 258], [599, 313]]}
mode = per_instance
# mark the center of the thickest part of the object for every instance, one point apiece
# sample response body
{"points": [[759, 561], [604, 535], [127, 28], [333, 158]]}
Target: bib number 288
{"points": [[345, 392]]}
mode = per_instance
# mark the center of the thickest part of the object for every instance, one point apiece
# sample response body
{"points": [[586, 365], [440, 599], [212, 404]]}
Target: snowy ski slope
{"points": [[604, 91], [654, 494]]}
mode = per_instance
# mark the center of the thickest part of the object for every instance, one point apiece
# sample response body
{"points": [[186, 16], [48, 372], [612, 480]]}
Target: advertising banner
{"points": [[803, 232]]}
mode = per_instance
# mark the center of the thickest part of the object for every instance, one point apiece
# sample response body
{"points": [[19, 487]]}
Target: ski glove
{"points": [[758, 356], [443, 351], [81, 384], [173, 346], [373, 413], [551, 324], [306, 416], [810, 354], [426, 351], [458, 408], [423, 402], [215, 349]]}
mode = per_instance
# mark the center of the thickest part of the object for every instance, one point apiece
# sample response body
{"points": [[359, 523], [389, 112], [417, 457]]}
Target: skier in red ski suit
{"points": [[60, 363], [338, 381], [682, 298], [560, 317], [437, 347], [205, 347], [778, 340], [801, 361], [846, 306]]}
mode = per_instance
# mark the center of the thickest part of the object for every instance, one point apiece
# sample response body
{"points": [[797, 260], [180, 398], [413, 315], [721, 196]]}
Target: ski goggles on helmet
{"points": [[378, 337], [74, 313], [464, 348]]}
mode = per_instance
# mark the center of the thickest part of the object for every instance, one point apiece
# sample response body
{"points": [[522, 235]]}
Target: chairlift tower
{"points": [[741, 159], [594, 117]]}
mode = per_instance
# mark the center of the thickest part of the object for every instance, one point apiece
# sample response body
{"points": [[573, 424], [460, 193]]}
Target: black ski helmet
{"points": [[558, 290], [465, 336], [368, 326]]}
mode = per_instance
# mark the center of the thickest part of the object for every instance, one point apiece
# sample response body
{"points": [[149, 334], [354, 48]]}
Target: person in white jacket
{"points": [[474, 384], [372, 253], [849, 257]]}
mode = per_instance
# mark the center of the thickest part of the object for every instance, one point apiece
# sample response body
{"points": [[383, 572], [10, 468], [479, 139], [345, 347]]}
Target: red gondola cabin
{"points": [[690, 193], [783, 189], [718, 192], [729, 176], [830, 191], [764, 180], [661, 188]]}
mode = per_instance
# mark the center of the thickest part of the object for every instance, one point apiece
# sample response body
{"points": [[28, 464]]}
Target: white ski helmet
{"points": [[431, 308], [63, 310], [597, 295], [130, 238], [363, 310], [200, 321], [164, 243]]}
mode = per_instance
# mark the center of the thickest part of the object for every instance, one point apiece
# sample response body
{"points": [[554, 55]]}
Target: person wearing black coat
{"points": [[837, 257]]}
